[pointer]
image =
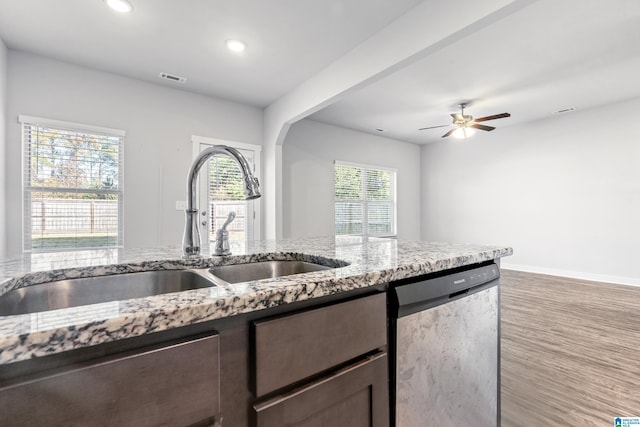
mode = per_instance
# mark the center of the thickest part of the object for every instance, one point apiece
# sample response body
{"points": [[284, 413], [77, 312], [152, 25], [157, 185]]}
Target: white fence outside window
{"points": [[73, 216], [60, 217]]}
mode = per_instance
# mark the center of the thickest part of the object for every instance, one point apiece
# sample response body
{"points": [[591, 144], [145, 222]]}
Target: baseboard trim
{"points": [[619, 280]]}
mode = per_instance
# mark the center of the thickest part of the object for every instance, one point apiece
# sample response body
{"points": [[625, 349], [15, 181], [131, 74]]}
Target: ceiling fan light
{"points": [[122, 6], [463, 132]]}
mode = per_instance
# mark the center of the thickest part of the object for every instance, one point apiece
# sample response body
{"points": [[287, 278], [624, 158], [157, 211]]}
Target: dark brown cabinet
{"points": [[312, 363], [324, 366], [355, 396], [173, 385]]}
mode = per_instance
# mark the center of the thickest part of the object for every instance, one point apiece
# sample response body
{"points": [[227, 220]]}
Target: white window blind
{"points": [[72, 185], [364, 200]]}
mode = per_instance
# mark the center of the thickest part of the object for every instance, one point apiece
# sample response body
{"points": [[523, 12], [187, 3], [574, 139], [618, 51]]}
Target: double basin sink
{"points": [[92, 290]]}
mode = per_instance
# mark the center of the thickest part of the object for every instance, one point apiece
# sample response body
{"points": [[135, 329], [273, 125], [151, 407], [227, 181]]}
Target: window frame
{"points": [[365, 202], [200, 143], [27, 190]]}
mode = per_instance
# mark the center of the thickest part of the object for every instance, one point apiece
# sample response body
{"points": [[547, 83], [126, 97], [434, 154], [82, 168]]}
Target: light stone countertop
{"points": [[371, 263]]}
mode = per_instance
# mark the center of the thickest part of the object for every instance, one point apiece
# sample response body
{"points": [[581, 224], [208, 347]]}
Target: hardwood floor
{"points": [[570, 351]]}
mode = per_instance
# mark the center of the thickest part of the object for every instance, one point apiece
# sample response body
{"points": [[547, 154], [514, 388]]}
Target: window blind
{"points": [[72, 185], [364, 200]]}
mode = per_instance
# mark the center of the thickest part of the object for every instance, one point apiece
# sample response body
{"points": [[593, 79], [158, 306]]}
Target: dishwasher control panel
{"points": [[420, 294], [471, 278]]}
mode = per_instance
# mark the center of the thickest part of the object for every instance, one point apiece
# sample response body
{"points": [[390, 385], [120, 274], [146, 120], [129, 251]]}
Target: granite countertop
{"points": [[371, 262]]}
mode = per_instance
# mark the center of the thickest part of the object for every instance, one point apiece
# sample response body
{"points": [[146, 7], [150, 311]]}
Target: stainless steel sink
{"points": [[92, 290], [237, 273]]}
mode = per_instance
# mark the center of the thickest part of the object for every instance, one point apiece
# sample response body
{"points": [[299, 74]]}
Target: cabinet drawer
{"points": [[357, 395], [293, 347], [170, 386]]}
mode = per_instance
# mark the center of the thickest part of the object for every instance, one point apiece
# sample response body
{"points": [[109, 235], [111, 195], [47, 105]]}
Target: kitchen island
{"points": [[371, 263], [362, 270]]}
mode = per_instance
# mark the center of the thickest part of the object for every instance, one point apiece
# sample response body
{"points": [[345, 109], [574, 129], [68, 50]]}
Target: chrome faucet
{"points": [[191, 238]]}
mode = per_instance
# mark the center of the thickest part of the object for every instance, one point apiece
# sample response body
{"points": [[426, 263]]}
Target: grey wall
{"points": [[308, 153], [564, 192], [159, 122], [3, 169]]}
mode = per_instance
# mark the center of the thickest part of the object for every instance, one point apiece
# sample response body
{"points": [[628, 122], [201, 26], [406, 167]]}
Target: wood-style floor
{"points": [[570, 351]]}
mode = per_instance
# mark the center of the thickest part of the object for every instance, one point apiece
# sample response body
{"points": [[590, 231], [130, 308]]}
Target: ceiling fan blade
{"points": [[449, 133], [482, 127], [457, 117], [495, 116], [433, 127]]}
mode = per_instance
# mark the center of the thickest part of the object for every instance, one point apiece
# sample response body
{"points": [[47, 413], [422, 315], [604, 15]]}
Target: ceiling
{"points": [[546, 56], [288, 41]]}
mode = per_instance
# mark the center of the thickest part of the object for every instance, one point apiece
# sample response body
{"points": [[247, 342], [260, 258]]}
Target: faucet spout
{"points": [[191, 238]]}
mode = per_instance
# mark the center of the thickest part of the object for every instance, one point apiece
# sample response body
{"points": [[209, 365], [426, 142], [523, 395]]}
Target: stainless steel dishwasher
{"points": [[445, 333]]}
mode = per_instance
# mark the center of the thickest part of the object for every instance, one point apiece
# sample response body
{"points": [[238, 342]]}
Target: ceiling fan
{"points": [[464, 125]]}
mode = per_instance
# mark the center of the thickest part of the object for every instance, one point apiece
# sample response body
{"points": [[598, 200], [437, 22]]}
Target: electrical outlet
{"points": [[181, 205]]}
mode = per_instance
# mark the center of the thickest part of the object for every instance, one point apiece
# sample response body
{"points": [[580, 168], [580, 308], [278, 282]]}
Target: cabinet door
{"points": [[176, 385], [296, 346], [355, 396]]}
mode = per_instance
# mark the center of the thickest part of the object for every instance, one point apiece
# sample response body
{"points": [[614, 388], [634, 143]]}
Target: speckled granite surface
{"points": [[370, 263]]}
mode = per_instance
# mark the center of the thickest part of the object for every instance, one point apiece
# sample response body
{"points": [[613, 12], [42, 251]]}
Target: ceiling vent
{"points": [[173, 78], [565, 110]]}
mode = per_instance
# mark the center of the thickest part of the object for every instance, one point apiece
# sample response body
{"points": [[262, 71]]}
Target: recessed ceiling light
{"points": [[236, 45], [122, 6]]}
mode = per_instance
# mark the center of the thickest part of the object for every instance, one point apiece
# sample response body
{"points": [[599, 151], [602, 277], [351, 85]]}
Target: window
{"points": [[223, 191], [364, 200], [72, 185]]}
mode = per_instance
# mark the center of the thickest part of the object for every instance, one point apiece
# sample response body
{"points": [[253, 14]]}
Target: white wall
{"points": [[308, 153], [159, 122], [416, 34], [563, 192], [3, 170]]}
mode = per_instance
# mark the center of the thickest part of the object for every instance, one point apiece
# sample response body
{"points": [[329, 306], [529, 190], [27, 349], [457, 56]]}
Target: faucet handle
{"points": [[222, 236], [230, 218]]}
